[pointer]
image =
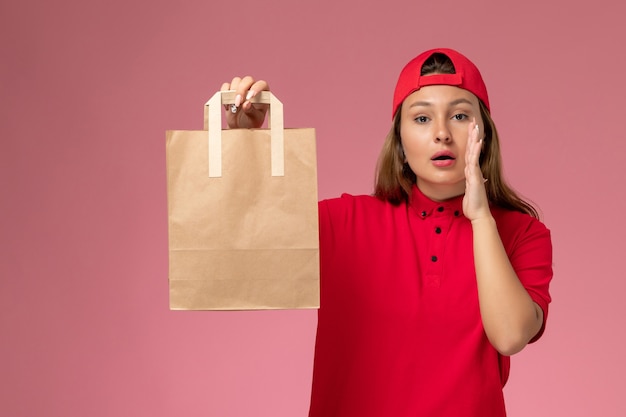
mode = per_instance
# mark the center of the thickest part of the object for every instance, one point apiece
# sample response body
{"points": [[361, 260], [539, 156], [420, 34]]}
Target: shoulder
{"points": [[361, 198], [516, 221], [517, 229], [350, 202], [353, 210]]}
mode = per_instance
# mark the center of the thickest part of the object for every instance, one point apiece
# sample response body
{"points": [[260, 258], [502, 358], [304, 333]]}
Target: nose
{"points": [[442, 133]]}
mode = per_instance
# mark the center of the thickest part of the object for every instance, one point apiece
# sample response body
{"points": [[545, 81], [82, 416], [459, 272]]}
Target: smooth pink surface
{"points": [[87, 90]]}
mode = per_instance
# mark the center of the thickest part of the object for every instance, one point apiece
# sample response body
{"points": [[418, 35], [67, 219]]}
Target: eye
{"points": [[460, 116], [421, 119]]}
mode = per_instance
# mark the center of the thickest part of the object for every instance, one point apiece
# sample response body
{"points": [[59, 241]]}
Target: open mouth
{"points": [[442, 158]]}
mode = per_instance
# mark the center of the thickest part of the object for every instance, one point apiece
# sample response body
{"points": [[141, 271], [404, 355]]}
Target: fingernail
{"points": [[237, 100], [250, 94]]}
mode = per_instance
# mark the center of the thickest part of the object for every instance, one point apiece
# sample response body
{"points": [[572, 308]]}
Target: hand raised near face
{"points": [[475, 202], [244, 114]]}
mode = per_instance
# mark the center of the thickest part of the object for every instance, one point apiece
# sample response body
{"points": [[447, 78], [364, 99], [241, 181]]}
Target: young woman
{"points": [[431, 284]]}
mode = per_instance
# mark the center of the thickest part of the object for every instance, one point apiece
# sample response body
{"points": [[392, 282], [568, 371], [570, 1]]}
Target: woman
{"points": [[431, 284]]}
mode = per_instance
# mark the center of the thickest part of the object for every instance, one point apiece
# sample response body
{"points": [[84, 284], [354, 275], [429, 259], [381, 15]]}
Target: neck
{"points": [[438, 192]]}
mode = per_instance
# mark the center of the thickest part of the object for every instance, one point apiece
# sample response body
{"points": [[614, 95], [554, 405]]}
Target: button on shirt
{"points": [[399, 328]]}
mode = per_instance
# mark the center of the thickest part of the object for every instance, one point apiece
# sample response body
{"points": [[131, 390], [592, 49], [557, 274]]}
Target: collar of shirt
{"points": [[426, 207]]}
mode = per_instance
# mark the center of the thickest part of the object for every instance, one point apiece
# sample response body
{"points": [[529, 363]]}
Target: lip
{"points": [[443, 162]]}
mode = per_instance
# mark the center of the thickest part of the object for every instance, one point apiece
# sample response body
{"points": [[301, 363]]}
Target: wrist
{"points": [[484, 221]]}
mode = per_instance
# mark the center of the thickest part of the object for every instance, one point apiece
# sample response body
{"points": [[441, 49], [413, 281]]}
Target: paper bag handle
{"points": [[213, 122]]}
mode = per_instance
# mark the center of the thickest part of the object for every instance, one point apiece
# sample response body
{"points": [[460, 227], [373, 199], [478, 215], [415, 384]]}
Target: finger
{"points": [[234, 83], [473, 172], [252, 92], [226, 87], [470, 144], [241, 89], [475, 144], [260, 85], [474, 132], [257, 87], [470, 136]]}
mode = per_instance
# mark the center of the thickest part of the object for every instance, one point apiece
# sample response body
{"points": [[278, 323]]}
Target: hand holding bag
{"points": [[242, 214]]}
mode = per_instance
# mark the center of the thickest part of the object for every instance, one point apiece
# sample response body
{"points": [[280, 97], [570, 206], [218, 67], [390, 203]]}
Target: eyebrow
{"points": [[452, 103]]}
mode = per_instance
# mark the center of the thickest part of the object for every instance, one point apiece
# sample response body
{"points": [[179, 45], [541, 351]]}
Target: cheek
{"points": [[413, 142], [412, 150]]}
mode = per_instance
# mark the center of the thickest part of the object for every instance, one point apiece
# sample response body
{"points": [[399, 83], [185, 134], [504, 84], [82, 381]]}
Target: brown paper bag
{"points": [[242, 211]]}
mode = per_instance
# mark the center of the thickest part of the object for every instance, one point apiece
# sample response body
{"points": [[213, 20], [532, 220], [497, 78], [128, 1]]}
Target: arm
{"points": [[510, 317]]}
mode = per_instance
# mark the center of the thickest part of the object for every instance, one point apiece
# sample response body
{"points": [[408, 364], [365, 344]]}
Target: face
{"points": [[434, 130]]}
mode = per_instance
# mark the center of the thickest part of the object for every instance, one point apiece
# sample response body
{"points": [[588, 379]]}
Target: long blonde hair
{"points": [[395, 179]]}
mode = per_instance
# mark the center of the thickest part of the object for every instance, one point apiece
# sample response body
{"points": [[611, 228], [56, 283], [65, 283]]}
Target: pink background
{"points": [[87, 90]]}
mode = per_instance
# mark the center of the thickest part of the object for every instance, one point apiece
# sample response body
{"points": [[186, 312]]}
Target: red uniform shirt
{"points": [[399, 328]]}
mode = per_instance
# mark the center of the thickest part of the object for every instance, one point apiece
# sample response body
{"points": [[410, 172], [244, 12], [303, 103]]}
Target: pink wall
{"points": [[87, 90]]}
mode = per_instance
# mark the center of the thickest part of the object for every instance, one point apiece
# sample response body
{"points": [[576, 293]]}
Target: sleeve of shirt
{"points": [[325, 225], [530, 253], [333, 215]]}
